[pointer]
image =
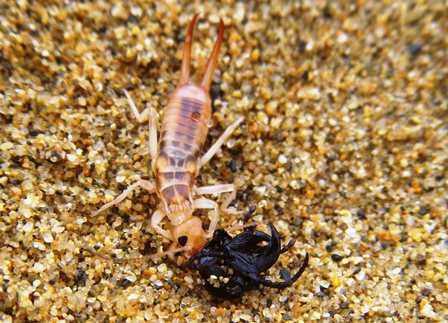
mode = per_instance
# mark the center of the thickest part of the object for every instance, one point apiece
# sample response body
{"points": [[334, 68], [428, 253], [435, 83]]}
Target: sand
{"points": [[344, 147]]}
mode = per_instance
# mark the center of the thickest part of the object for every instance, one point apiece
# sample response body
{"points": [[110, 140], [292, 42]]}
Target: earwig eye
{"points": [[182, 240]]}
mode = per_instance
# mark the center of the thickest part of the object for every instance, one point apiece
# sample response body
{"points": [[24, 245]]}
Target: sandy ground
{"points": [[344, 147]]}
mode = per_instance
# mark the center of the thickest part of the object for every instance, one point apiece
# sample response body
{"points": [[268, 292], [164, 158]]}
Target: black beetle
{"points": [[232, 266]]}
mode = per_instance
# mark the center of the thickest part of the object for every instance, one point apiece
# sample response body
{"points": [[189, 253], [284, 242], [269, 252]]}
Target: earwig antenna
{"points": [[168, 253], [127, 258]]}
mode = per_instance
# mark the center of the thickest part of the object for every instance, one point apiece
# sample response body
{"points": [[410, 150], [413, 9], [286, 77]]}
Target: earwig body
{"points": [[184, 131], [175, 157]]}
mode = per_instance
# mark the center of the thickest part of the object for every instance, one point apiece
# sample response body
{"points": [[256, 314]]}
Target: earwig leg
{"points": [[203, 203], [153, 118], [140, 183], [213, 149], [153, 145], [156, 219], [139, 116], [218, 189]]}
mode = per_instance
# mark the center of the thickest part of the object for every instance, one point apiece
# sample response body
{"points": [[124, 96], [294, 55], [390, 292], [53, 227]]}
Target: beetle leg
{"points": [[249, 213], [203, 203], [213, 149], [247, 217], [150, 187], [287, 279], [218, 189], [153, 119], [156, 219], [248, 241], [266, 256], [288, 246], [302, 268], [279, 284], [247, 226]]}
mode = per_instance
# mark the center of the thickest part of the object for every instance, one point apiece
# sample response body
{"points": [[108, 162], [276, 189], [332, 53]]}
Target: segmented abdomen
{"points": [[184, 131]]}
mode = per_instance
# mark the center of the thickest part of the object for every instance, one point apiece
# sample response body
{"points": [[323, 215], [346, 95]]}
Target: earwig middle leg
{"points": [[150, 187], [153, 120], [213, 149], [203, 203], [218, 189]]}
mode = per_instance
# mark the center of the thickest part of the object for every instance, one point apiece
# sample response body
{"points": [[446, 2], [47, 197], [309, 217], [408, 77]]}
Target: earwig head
{"points": [[190, 235]]}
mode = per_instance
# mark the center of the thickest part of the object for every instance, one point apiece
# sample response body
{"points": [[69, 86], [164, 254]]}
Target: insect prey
{"points": [[231, 266]]}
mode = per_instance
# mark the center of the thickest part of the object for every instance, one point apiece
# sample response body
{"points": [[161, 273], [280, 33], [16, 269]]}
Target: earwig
{"points": [[175, 157]]}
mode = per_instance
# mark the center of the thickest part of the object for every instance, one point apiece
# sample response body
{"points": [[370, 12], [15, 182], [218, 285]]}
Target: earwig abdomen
{"points": [[184, 131]]}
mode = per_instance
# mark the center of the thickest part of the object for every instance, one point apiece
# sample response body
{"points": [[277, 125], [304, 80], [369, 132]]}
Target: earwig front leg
{"points": [[218, 189], [213, 149], [153, 119], [203, 203], [156, 219], [139, 116], [140, 183]]}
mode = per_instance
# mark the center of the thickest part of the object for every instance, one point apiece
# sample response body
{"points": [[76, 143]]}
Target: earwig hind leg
{"points": [[140, 183], [203, 203], [213, 149], [156, 219], [218, 189], [153, 118]]}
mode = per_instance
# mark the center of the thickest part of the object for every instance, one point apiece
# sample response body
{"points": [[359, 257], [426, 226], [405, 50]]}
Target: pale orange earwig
{"points": [[175, 157]]}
